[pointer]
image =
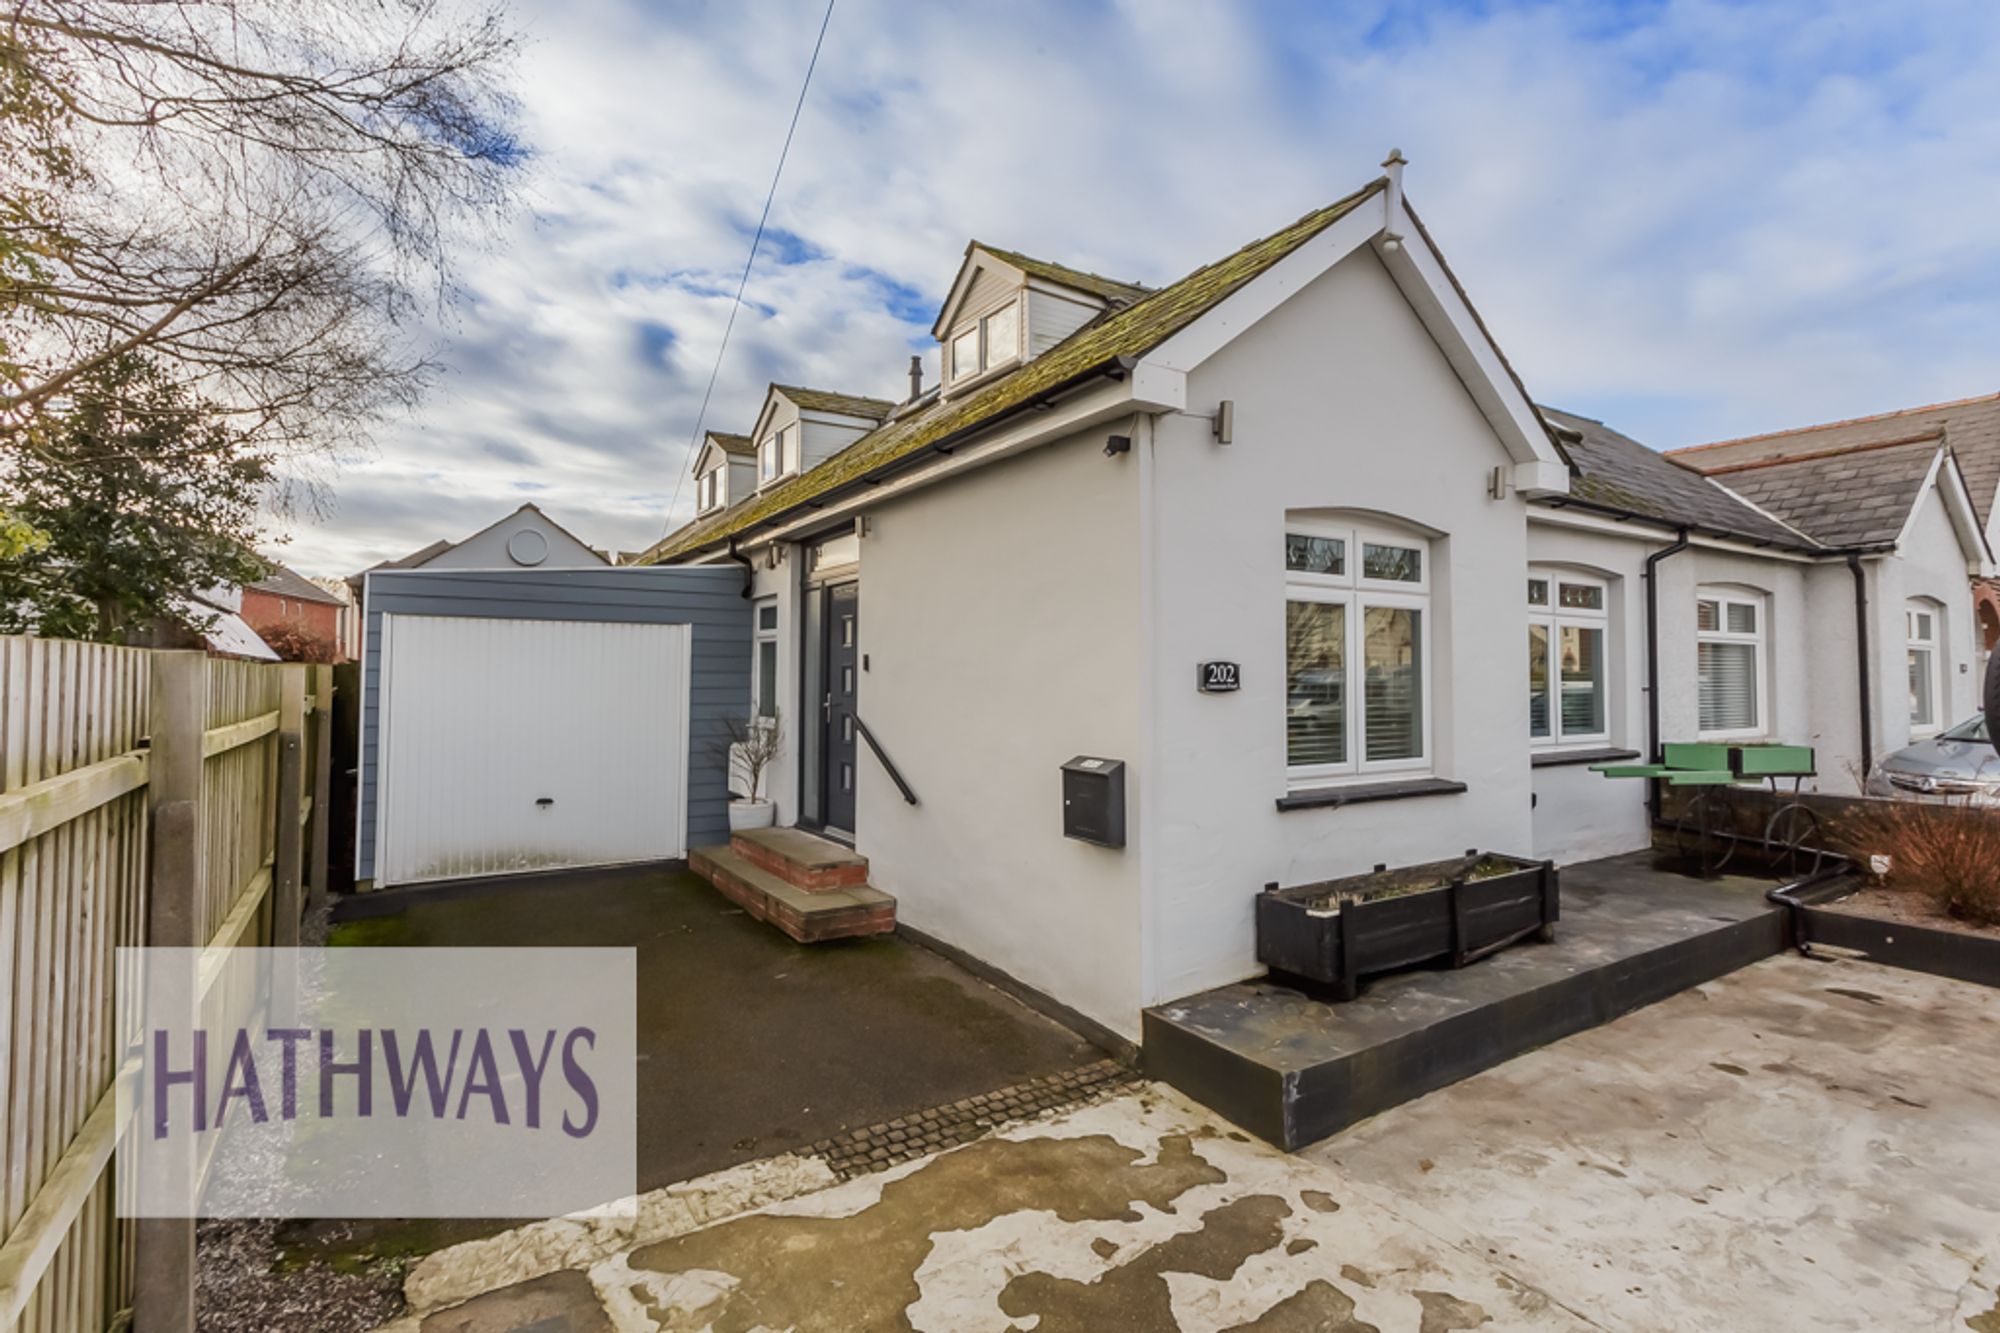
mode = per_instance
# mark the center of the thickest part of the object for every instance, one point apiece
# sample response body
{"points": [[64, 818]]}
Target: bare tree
{"points": [[263, 196]]}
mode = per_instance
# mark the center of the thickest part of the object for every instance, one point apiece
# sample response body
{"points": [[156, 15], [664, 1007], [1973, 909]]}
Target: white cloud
{"points": [[1696, 219]]}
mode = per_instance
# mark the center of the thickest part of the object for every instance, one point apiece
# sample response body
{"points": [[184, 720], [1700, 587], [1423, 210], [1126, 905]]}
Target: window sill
{"points": [[1559, 758], [1310, 798]]}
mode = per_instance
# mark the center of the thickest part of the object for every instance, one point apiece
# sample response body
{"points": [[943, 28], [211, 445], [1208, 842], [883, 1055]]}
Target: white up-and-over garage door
{"points": [[518, 745]]}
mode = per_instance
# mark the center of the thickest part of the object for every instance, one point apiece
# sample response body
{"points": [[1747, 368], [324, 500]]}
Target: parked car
{"points": [[1957, 765]]}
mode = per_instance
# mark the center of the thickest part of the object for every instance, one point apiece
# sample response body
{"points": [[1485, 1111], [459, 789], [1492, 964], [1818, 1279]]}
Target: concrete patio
{"points": [[1797, 1145]]}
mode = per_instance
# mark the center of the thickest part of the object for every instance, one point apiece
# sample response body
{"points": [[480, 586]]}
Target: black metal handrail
{"points": [[888, 764]]}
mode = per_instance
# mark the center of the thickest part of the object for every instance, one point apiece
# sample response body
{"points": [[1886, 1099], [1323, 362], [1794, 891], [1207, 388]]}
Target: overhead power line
{"points": [[694, 438]]}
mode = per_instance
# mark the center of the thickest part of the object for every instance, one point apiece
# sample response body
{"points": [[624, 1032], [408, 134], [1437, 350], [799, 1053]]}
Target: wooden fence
{"points": [[161, 798]]}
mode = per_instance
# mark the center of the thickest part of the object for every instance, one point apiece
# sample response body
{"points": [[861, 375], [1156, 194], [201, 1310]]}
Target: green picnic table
{"points": [[1713, 766]]}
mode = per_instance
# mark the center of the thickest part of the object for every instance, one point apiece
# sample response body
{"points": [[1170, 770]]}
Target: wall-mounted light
{"points": [[865, 525], [1117, 444], [1224, 423]]}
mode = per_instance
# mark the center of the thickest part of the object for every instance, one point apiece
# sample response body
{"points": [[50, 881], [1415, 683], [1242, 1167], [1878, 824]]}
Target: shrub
{"points": [[294, 642], [1946, 853]]}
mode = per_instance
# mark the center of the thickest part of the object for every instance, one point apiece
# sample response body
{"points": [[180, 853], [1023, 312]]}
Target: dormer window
{"points": [[778, 455], [988, 342], [708, 490]]}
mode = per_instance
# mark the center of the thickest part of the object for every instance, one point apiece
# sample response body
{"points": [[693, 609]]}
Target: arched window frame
{"points": [[1352, 588], [1923, 621]]}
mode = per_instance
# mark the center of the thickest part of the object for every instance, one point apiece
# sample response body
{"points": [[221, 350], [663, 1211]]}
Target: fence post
{"points": [[322, 784], [291, 798], [164, 1269]]}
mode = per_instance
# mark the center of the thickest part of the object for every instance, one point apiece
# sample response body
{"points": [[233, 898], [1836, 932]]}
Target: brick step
{"points": [[801, 859], [806, 916]]}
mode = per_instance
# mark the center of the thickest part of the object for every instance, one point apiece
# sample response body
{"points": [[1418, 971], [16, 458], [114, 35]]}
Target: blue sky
{"points": [[1689, 218]]}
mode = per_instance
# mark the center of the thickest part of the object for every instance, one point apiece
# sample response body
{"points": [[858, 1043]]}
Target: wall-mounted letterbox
{"points": [[1094, 800]]}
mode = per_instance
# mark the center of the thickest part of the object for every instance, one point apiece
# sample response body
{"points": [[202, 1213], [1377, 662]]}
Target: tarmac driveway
{"points": [[1800, 1145]]}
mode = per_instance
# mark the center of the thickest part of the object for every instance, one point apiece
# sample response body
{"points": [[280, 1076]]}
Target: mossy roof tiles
{"points": [[1128, 332]]}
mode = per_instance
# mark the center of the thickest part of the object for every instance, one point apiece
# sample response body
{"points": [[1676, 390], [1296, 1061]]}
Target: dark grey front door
{"points": [[843, 667]]}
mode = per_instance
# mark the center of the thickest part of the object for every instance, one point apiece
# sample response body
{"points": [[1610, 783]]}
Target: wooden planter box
{"points": [[1334, 933]]}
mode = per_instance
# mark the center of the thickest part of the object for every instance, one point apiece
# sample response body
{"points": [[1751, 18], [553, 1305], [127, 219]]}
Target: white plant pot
{"points": [[751, 814]]}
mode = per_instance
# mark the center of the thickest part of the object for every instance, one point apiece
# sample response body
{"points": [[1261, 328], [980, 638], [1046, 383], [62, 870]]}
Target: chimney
{"points": [[916, 378]]}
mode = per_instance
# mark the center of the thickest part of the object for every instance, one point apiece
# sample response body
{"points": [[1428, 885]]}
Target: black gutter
{"points": [[1861, 665], [749, 570], [1117, 368], [1655, 744]]}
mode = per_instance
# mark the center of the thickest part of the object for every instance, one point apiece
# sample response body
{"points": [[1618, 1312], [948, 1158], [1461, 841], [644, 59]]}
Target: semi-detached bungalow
{"points": [[1272, 538]]}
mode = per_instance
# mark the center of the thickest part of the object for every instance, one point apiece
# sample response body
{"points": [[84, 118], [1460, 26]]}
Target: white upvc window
{"points": [[1926, 657], [1568, 630], [764, 673], [991, 341], [708, 490], [1357, 651], [778, 455], [1730, 664]]}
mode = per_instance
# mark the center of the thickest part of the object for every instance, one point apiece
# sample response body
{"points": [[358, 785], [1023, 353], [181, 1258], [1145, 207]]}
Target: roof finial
{"points": [[1392, 205]]}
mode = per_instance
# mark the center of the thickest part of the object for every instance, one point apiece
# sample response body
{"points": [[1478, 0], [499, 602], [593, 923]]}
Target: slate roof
{"points": [[1971, 426], [826, 400], [283, 582], [738, 445], [1130, 332], [1110, 289], [1856, 497], [1617, 471]]}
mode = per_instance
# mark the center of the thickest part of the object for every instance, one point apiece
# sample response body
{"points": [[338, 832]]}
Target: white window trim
{"points": [[783, 449], [1923, 729], [988, 360], [1724, 597], [1357, 594], [1553, 617], [709, 493], [758, 638]]}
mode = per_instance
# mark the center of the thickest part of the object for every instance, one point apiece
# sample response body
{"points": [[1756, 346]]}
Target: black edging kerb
{"points": [[1563, 758], [1332, 797], [1953, 954]]}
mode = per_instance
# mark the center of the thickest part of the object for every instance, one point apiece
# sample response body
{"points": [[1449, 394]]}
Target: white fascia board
{"points": [[1419, 274], [1651, 535], [1541, 476], [1964, 518], [771, 396], [1093, 407], [975, 259], [1917, 505], [1419, 271], [1217, 327]]}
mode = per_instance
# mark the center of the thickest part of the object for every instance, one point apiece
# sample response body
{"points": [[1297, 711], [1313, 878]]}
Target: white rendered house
{"points": [[1272, 538]]}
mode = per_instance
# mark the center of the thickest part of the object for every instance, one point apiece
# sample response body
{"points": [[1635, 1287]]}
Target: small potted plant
{"points": [[751, 747]]}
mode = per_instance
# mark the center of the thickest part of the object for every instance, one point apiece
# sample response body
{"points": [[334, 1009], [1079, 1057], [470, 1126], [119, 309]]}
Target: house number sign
{"points": [[1219, 677]]}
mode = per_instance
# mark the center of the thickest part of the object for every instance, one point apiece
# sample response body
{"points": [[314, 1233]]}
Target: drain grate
{"points": [[860, 1152]]}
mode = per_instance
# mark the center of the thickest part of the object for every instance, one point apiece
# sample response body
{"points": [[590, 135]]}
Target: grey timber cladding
{"points": [[709, 599]]}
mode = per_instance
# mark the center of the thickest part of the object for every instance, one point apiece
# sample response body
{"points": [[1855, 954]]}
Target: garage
{"points": [[516, 721]]}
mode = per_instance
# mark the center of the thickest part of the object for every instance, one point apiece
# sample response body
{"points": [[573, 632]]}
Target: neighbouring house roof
{"points": [[1096, 284], [1100, 345], [283, 582], [1854, 497], [1971, 426], [1616, 471], [224, 630], [738, 445], [415, 558], [826, 400], [419, 558]]}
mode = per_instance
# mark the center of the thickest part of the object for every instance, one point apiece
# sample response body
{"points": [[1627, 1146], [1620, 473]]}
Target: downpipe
{"points": [[1861, 666], [749, 568], [1657, 752]]}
